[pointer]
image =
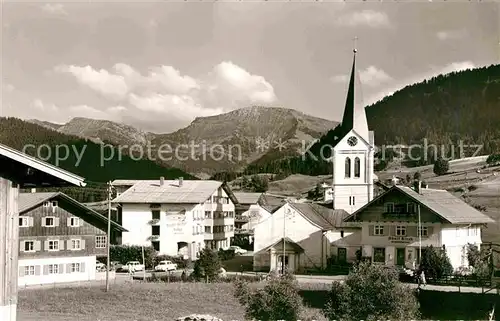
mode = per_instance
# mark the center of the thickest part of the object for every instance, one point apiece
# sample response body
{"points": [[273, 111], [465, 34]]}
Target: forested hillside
{"points": [[94, 164], [449, 111]]}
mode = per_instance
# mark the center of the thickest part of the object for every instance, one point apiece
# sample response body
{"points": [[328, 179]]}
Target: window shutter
{"points": [[46, 245], [80, 222], [37, 246], [392, 230], [68, 268], [82, 244], [371, 229], [21, 246], [45, 270], [61, 268], [412, 231], [68, 244], [37, 269], [68, 221], [61, 245], [82, 267], [429, 230], [386, 230], [21, 271], [30, 221], [56, 221], [43, 221]]}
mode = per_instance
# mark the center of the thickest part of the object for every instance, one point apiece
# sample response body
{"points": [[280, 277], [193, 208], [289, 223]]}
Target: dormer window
{"points": [[46, 204]]}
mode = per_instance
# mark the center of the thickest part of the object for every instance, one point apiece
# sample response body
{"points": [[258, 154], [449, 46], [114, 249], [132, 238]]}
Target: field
{"points": [[135, 302]]}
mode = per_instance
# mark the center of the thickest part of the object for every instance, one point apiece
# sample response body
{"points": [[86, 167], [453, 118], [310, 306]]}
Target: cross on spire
{"points": [[355, 41]]}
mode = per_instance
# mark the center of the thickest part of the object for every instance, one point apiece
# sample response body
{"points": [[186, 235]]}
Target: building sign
{"points": [[176, 223], [400, 239]]}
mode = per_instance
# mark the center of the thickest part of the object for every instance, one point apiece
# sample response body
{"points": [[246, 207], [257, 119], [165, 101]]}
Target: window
{"points": [[29, 270], [53, 269], [46, 204], [76, 244], [410, 208], [29, 246], [378, 230], [389, 207], [156, 245], [155, 214], [53, 245], [54, 203], [424, 231], [357, 167], [100, 242], [208, 214], [74, 221], [341, 233], [155, 230], [379, 254], [400, 230], [208, 229], [49, 221], [23, 221], [347, 167], [75, 267]]}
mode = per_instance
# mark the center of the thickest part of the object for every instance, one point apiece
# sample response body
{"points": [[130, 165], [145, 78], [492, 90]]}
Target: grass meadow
{"points": [[138, 302]]}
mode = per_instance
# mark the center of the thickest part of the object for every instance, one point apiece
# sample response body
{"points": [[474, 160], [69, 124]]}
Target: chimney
{"points": [[162, 180], [33, 190], [181, 179]]}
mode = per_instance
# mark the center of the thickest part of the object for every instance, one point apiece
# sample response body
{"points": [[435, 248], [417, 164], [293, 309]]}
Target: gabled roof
{"points": [[323, 217], [248, 198], [29, 201], [189, 192], [29, 171], [279, 243], [441, 202]]}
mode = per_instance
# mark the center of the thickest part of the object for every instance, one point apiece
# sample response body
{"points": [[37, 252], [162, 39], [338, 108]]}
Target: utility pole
{"points": [[108, 242], [284, 241], [419, 236]]}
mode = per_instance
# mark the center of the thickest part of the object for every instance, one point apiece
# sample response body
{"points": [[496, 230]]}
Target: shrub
{"points": [[435, 263], [371, 292], [480, 261], [493, 159], [441, 166], [225, 255], [278, 300], [207, 266], [126, 253]]}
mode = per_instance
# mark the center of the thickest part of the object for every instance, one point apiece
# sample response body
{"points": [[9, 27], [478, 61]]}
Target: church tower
{"points": [[353, 152]]}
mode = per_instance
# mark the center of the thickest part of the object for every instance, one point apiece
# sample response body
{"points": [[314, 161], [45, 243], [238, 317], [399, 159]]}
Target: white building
{"points": [[390, 231], [249, 211], [177, 217], [308, 229]]}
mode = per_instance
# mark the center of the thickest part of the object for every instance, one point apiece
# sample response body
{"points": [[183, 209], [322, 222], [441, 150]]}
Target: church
{"points": [[391, 228]]}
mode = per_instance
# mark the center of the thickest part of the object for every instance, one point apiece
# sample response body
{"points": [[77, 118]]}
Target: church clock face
{"points": [[352, 141]]}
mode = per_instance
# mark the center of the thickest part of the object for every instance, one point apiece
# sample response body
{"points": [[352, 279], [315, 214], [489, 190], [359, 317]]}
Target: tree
{"points": [[441, 166], [417, 176], [278, 300], [371, 292], [435, 263], [479, 260], [259, 184], [207, 266]]}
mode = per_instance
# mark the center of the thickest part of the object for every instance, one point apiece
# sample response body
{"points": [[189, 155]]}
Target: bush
{"points": [[435, 263], [493, 159], [207, 266], [441, 166], [480, 261], [126, 253], [225, 255], [371, 292], [278, 300]]}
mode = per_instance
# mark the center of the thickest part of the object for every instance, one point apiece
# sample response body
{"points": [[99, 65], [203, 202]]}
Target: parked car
{"points": [[134, 266], [166, 266], [99, 266], [237, 250], [115, 265]]}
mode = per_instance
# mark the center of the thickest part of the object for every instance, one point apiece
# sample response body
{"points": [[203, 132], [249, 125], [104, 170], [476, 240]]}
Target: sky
{"points": [[158, 66]]}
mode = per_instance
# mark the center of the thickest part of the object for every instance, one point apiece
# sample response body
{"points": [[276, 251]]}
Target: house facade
{"points": [[396, 225], [59, 239], [307, 230], [249, 212], [177, 217]]}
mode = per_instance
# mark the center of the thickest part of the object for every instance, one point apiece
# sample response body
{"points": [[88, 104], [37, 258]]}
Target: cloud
{"points": [[369, 18], [450, 34], [164, 92], [371, 76], [433, 72], [54, 8]]}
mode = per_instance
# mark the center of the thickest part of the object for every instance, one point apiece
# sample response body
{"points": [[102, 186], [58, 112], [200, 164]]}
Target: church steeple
{"points": [[354, 113]]}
